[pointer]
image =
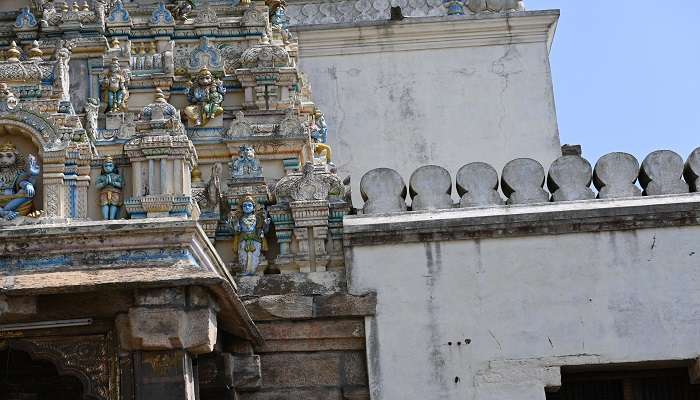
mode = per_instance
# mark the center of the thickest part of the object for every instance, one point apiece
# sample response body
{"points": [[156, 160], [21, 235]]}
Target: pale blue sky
{"points": [[626, 75]]}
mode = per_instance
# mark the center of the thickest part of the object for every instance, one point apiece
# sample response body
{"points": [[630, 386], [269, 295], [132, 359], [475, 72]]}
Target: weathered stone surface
{"points": [[430, 187], [314, 369], [164, 296], [168, 328], [477, 183], [313, 283], [215, 370], [614, 176], [15, 306], [164, 375], [692, 170], [540, 219], [247, 374], [661, 173], [383, 191], [314, 329], [522, 180], [569, 179], [344, 305], [319, 393], [280, 307]]}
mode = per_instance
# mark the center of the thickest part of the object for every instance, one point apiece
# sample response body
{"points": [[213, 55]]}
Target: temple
{"points": [[325, 200]]}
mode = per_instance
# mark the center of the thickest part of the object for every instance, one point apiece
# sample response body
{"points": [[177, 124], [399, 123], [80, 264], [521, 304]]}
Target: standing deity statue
{"points": [[319, 136], [246, 165], [206, 95], [115, 91], [18, 175], [278, 19], [249, 225], [110, 184], [92, 108]]}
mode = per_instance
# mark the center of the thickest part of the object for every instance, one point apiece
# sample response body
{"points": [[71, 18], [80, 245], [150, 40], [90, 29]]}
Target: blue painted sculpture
{"points": [[249, 225], [206, 95], [110, 184], [246, 165], [115, 91], [319, 136], [18, 175]]}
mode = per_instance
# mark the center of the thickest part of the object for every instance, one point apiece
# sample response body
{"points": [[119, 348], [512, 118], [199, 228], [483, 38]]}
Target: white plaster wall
{"points": [[403, 108], [529, 305]]}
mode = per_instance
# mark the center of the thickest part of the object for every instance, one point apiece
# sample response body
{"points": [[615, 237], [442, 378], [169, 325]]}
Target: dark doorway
{"points": [[656, 384], [22, 378]]}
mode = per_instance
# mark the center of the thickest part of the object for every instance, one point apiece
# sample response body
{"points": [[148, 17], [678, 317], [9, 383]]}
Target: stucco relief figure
{"points": [[18, 175], [92, 108], [206, 95], [115, 91], [182, 9], [110, 184], [250, 225], [319, 136], [246, 165]]}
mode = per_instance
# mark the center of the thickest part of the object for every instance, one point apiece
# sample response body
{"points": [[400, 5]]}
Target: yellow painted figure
{"points": [[206, 95]]}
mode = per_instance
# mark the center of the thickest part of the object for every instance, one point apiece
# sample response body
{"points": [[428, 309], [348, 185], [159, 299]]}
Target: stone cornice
{"points": [[84, 256], [515, 221], [428, 33]]}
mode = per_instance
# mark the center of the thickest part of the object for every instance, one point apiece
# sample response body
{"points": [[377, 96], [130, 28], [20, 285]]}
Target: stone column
{"points": [[311, 231], [164, 329], [53, 183]]}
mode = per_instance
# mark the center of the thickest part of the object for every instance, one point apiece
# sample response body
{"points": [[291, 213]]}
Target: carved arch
{"points": [[40, 130], [85, 358]]}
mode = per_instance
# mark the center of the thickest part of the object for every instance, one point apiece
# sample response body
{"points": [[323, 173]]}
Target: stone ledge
{"points": [[523, 220], [427, 33], [294, 307]]}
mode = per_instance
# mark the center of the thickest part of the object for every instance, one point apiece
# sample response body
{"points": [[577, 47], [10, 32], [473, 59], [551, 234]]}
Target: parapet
{"points": [[658, 192]]}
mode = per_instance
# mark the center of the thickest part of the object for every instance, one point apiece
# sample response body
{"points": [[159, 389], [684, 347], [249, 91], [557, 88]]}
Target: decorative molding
{"points": [[428, 33]]}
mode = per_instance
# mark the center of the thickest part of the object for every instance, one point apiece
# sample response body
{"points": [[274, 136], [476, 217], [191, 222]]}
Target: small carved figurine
{"points": [[279, 20], [246, 165], [182, 9], [206, 95], [110, 185], [319, 136], [17, 178], [92, 108], [115, 91], [249, 225]]}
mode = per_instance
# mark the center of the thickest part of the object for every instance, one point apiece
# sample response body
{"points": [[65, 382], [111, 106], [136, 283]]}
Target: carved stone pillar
{"points": [[52, 179], [164, 375], [162, 158], [311, 231], [163, 330]]}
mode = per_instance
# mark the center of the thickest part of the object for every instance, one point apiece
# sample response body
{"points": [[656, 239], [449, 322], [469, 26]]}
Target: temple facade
{"points": [[183, 217]]}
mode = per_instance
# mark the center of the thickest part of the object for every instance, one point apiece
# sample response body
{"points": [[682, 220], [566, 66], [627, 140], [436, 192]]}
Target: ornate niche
{"points": [[90, 359]]}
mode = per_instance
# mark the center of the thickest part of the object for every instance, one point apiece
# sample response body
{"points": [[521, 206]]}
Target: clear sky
{"points": [[626, 75]]}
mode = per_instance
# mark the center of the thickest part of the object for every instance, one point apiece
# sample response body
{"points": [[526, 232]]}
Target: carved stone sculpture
{"points": [[115, 91], [569, 179], [249, 225], [430, 188], [206, 95], [522, 180], [246, 165], [18, 173], [477, 183], [319, 136], [110, 185], [614, 176], [661, 173], [92, 108], [383, 191]]}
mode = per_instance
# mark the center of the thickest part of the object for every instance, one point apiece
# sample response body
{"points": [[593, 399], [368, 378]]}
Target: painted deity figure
{"points": [[115, 91], [206, 95], [249, 225], [246, 165], [319, 136], [18, 175], [110, 185]]}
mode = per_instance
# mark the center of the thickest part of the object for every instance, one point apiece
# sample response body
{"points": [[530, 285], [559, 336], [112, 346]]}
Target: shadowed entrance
{"points": [[22, 378]]}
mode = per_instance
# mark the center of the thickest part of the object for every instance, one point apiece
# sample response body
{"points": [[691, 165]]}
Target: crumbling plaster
{"points": [[495, 318]]}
